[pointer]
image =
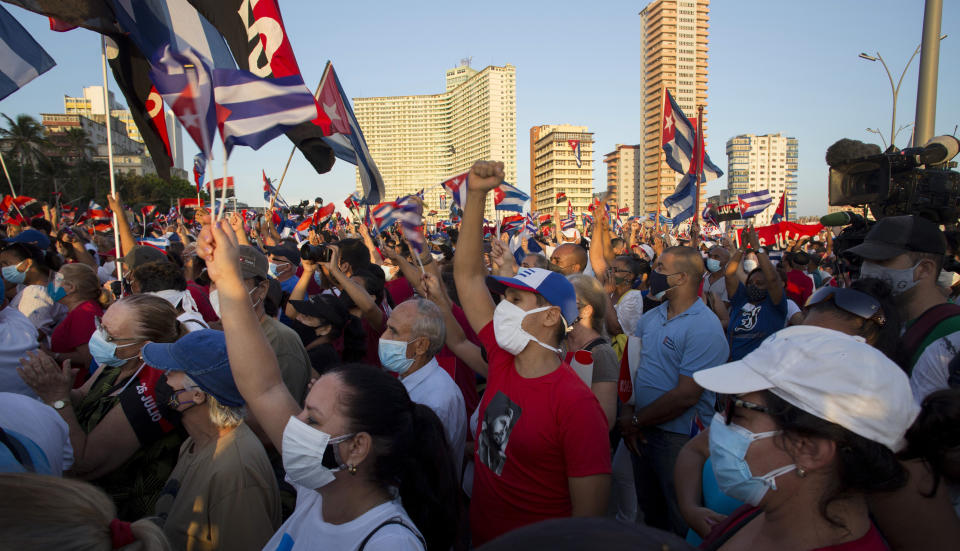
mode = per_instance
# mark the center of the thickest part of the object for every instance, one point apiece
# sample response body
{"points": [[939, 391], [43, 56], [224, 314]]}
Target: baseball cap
{"points": [[572, 233], [202, 355], [292, 255], [325, 307], [552, 286], [32, 237], [141, 254], [648, 250], [829, 374], [895, 235], [252, 262]]}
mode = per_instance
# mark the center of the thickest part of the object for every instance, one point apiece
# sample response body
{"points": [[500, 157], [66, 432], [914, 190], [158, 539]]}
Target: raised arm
{"points": [[300, 290], [363, 300], [456, 340], [127, 242], [252, 361], [371, 246], [468, 270], [731, 274], [236, 222], [774, 287]]}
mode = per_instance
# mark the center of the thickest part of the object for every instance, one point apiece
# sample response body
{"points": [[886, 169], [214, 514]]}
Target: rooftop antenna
{"points": [[466, 61]]}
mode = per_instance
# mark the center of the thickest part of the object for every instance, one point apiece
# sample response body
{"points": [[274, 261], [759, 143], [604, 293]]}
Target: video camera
{"points": [[912, 181]]}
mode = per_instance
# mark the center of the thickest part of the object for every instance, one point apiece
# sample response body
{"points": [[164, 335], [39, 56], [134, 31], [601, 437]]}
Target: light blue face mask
{"points": [[13, 275], [393, 356], [106, 352], [728, 449], [713, 265], [55, 291]]}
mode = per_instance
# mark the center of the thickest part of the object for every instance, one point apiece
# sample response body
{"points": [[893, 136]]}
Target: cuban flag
{"points": [[352, 202], [23, 59], [679, 137], [755, 202], [575, 146], [568, 224], [587, 219], [781, 213], [183, 79], [347, 141], [561, 197], [512, 224], [530, 225], [457, 186], [508, 197], [156, 242], [199, 167], [709, 214], [443, 201]]}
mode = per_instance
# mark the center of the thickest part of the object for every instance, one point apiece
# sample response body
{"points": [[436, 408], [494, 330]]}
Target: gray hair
{"points": [[224, 417], [429, 323]]}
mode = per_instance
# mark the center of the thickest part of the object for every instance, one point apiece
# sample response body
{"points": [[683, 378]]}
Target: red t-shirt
{"points": [[534, 435], [871, 541], [799, 287], [458, 370], [399, 289], [76, 328], [201, 296]]}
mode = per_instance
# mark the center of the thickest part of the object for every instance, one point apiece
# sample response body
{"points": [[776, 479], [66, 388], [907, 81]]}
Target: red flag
{"points": [[331, 105], [323, 213], [218, 183], [569, 209], [188, 202], [60, 26], [560, 197], [148, 210], [154, 109], [23, 201]]}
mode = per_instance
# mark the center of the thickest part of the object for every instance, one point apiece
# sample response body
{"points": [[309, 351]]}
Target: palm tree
{"points": [[27, 141], [77, 143]]}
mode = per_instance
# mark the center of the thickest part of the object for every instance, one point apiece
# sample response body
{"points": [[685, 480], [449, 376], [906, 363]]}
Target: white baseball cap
{"points": [[648, 250], [835, 376]]}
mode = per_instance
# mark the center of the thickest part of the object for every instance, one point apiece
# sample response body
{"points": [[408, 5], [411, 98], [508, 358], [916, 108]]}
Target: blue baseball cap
{"points": [[552, 286], [202, 355], [33, 237]]}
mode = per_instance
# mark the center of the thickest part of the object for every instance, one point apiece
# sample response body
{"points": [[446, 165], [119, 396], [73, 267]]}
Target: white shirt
{"points": [[792, 309], [629, 309], [34, 302], [930, 373], [40, 423], [719, 287], [306, 529], [432, 386], [17, 337]]}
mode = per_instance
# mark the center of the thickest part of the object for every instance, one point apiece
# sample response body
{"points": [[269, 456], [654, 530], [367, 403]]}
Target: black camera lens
{"points": [[315, 253]]}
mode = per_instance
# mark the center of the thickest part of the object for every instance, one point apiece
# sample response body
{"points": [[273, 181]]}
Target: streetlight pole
{"points": [[895, 89]]}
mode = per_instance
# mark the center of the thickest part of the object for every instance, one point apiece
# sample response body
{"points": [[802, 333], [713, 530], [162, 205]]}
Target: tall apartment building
{"points": [[755, 163], [674, 57], [90, 105], [623, 176], [420, 141], [555, 169]]}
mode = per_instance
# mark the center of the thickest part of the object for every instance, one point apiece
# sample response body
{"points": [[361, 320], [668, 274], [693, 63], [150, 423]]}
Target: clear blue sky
{"points": [[787, 67]]}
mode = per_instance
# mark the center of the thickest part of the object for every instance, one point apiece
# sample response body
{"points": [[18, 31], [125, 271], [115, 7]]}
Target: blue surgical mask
{"points": [[272, 270], [713, 265], [106, 352], [728, 449], [55, 288], [393, 356], [13, 275]]}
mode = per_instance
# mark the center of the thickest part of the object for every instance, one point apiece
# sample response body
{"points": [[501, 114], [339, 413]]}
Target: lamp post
{"points": [[895, 89]]}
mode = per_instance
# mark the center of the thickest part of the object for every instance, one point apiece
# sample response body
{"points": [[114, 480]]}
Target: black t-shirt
{"points": [[323, 357]]}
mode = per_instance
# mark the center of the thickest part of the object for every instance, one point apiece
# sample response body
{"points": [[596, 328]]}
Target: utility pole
{"points": [[926, 115]]}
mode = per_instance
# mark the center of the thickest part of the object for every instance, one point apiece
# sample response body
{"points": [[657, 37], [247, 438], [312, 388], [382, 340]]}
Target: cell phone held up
{"points": [[316, 253]]}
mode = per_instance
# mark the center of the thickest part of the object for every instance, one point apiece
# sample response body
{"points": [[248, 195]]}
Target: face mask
{"points": [[393, 356], [756, 294], [945, 279], [214, 297], [106, 352], [658, 285], [388, 272], [728, 447], [900, 281], [174, 400], [55, 288], [272, 270], [310, 456], [13, 275], [749, 265], [507, 320], [713, 265]]}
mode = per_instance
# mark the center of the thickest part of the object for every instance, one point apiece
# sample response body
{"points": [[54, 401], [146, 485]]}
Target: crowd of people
{"points": [[251, 388]]}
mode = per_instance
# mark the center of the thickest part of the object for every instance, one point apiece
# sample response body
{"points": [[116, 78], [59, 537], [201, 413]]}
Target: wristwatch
{"points": [[58, 404], [762, 250]]}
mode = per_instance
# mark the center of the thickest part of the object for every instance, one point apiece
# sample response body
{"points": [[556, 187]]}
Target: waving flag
{"points": [[23, 59], [781, 213], [457, 186], [199, 167], [545, 219], [352, 202], [568, 224], [512, 224], [507, 197], [561, 197], [443, 201], [575, 146], [348, 142], [191, 202], [149, 210], [753, 203], [679, 138], [183, 79], [569, 209], [587, 219], [530, 224], [709, 214]]}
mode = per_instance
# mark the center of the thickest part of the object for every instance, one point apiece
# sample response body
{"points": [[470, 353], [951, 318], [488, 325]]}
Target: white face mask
{"points": [[749, 265], [214, 297], [507, 320], [946, 279], [310, 456]]}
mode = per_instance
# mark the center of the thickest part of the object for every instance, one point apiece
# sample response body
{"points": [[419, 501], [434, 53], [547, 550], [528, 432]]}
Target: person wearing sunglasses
{"points": [[810, 429], [866, 309]]}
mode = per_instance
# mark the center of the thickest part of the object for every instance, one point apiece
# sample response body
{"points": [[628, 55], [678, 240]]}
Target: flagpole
{"points": [[113, 184], [9, 181], [223, 191], [663, 99], [698, 159]]}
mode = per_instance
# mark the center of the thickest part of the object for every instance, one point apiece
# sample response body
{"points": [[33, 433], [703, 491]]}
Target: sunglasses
{"points": [[856, 302], [733, 403]]}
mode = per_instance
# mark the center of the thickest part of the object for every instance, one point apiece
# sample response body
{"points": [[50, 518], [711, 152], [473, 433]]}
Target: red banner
{"points": [[777, 235], [188, 202]]}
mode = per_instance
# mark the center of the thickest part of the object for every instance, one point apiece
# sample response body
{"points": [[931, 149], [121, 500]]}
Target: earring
{"points": [[352, 469], [801, 472]]}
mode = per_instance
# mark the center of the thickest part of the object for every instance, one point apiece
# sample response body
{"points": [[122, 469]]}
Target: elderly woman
{"points": [[123, 436], [810, 427], [222, 493], [77, 287]]}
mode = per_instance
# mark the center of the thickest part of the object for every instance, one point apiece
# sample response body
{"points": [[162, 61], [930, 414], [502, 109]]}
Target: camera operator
{"points": [[908, 252]]}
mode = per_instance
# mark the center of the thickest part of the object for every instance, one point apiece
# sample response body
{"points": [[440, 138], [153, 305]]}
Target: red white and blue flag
{"points": [[755, 202], [508, 197], [561, 197], [199, 167], [587, 219], [512, 224], [184, 81], [780, 214], [575, 146], [679, 137], [568, 224], [457, 186]]}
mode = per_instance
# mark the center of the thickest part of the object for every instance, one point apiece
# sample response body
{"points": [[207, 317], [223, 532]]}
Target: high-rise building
{"points": [[623, 177], [555, 169], [420, 141], [755, 163], [673, 57]]}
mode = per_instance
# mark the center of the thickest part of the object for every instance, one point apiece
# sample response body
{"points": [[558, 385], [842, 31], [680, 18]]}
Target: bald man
{"points": [[681, 337], [570, 259]]}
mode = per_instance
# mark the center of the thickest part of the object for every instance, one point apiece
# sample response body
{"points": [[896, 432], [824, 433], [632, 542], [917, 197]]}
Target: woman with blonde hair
{"points": [[589, 333], [42, 513], [123, 433]]}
